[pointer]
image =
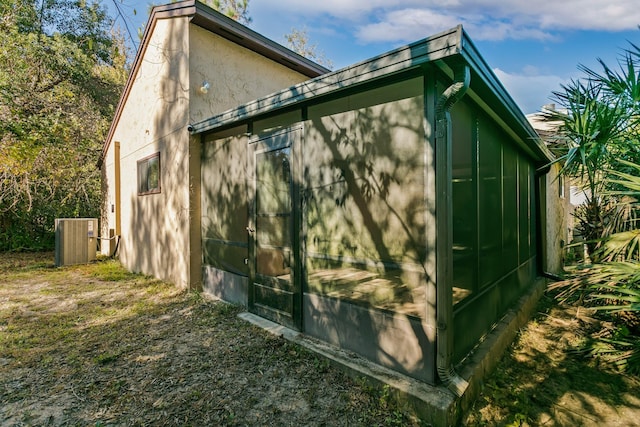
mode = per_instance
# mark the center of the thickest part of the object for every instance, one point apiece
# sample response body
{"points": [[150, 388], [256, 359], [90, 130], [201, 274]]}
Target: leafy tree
{"points": [[298, 41], [611, 289], [235, 9], [599, 142], [61, 73], [599, 126], [591, 136]]}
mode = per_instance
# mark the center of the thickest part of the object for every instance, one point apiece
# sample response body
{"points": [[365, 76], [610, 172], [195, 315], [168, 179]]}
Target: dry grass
{"points": [[546, 379], [95, 345]]}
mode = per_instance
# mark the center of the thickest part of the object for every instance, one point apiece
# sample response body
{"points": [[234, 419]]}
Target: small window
{"points": [[149, 175]]}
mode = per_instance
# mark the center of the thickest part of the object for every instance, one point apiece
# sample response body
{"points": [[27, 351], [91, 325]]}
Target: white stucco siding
{"points": [[160, 234], [556, 220], [155, 227], [236, 75], [107, 211]]}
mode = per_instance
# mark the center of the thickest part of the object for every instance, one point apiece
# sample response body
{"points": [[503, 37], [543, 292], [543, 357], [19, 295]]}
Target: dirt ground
{"points": [[97, 346], [547, 378]]}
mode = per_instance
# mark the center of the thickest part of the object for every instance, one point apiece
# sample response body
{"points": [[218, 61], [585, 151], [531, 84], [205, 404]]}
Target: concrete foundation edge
{"points": [[432, 404], [483, 360]]}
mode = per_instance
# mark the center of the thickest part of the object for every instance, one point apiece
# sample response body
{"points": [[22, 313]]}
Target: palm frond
{"points": [[622, 245], [587, 280], [620, 299], [622, 353]]}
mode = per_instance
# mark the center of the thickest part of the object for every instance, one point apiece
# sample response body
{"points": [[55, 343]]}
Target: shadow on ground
{"points": [[95, 345], [545, 379]]}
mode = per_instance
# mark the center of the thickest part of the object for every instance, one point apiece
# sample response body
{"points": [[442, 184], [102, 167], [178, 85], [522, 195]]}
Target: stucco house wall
{"points": [[557, 213], [159, 233], [236, 75], [153, 120]]}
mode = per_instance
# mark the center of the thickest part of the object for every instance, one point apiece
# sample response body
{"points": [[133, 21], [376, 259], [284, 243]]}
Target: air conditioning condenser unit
{"points": [[76, 240]]}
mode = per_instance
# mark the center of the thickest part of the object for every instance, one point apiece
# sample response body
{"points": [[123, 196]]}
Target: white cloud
{"points": [[407, 20], [530, 91], [406, 25], [412, 24], [344, 9], [610, 15]]}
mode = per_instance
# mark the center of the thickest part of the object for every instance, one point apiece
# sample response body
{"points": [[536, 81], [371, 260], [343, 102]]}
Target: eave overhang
{"points": [[443, 50], [207, 18]]}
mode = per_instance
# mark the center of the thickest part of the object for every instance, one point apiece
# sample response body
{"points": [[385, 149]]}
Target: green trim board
{"points": [[439, 50], [368, 167]]}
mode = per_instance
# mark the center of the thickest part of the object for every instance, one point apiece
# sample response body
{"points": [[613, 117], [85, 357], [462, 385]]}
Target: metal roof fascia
{"points": [[234, 31], [399, 60], [201, 15], [516, 120]]}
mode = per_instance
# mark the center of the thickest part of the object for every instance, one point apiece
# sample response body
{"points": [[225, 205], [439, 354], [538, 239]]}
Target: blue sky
{"points": [[533, 46]]}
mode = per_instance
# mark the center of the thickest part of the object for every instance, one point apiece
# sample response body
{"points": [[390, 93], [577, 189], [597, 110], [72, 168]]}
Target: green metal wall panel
{"points": [[224, 202], [490, 143], [279, 121], [510, 208], [464, 206], [493, 207], [364, 158], [224, 255], [525, 192]]}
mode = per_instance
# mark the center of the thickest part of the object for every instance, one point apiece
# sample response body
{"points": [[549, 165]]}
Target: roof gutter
{"points": [[205, 17], [444, 296]]}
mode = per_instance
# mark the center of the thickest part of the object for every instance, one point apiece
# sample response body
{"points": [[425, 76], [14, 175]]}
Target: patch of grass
{"points": [[25, 261], [111, 270], [227, 309], [104, 358], [545, 378], [71, 339], [47, 312], [25, 264], [386, 406]]}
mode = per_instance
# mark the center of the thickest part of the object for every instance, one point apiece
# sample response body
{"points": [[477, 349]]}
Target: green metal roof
{"points": [[440, 49]]}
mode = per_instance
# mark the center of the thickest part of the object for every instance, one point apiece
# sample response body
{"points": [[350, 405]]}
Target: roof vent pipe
{"points": [[444, 268]]}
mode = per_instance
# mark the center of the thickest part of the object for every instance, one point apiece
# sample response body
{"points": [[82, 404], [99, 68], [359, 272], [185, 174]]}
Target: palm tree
{"points": [[591, 136], [599, 143]]}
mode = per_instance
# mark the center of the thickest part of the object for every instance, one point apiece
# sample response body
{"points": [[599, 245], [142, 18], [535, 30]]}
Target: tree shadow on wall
{"points": [[225, 206], [159, 223], [367, 209]]}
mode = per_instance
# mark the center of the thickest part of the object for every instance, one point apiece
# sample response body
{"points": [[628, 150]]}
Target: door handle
{"points": [[250, 230]]}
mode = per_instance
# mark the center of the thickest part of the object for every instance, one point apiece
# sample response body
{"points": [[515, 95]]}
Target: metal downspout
{"points": [[444, 268]]}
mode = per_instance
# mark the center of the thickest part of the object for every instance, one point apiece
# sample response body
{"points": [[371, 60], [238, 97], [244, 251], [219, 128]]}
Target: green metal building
{"points": [[390, 208]]}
